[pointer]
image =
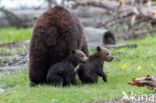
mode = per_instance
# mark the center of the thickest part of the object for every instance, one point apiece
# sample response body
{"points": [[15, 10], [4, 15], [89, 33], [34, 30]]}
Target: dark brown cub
{"points": [[89, 72], [63, 73]]}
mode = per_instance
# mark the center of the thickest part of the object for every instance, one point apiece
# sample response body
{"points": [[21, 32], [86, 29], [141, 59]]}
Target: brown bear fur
{"points": [[89, 72], [63, 73], [56, 33]]}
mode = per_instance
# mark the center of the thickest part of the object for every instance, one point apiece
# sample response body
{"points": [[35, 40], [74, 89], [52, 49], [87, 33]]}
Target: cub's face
{"points": [[104, 54], [80, 56]]}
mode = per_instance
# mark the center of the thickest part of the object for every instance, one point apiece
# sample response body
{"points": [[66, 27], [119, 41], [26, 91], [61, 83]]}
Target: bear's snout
{"points": [[110, 59], [85, 60]]}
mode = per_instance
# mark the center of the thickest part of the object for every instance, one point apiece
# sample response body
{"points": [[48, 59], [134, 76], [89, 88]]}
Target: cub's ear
{"points": [[98, 48], [73, 51]]}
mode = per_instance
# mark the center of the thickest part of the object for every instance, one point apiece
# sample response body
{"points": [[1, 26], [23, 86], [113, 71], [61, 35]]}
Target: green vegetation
{"points": [[13, 34], [128, 63]]}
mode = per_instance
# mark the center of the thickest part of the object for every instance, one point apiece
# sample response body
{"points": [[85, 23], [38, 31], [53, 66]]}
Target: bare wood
{"points": [[121, 46], [14, 44], [141, 33], [13, 68], [14, 20], [94, 3], [152, 4], [145, 81], [95, 44]]}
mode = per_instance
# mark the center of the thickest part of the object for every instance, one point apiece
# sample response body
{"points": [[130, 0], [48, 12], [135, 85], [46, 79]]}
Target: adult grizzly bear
{"points": [[56, 33]]}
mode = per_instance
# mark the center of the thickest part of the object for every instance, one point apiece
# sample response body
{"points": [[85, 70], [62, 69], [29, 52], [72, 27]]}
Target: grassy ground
{"points": [[12, 34], [138, 63]]}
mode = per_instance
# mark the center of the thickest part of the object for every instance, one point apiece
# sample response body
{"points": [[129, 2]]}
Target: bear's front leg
{"points": [[103, 75]]}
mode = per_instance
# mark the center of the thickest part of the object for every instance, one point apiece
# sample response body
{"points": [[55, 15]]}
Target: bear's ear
{"points": [[73, 51], [98, 48]]}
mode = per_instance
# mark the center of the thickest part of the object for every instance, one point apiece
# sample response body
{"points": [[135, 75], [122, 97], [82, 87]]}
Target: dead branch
{"points": [[125, 19], [13, 68], [14, 44], [103, 5], [121, 46], [16, 62], [141, 33], [145, 81], [95, 44], [16, 21]]}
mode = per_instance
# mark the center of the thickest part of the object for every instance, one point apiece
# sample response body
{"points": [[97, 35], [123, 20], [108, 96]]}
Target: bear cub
{"points": [[89, 72], [64, 73]]}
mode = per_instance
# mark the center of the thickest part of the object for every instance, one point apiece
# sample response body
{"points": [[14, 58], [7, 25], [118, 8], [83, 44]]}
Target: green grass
{"points": [[118, 79], [13, 34]]}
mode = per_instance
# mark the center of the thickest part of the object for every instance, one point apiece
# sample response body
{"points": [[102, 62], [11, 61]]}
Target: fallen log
{"points": [[99, 35], [88, 12], [141, 33], [148, 81], [17, 60], [14, 20], [94, 34], [15, 64], [11, 60], [121, 46], [103, 4], [13, 68], [14, 44], [95, 44]]}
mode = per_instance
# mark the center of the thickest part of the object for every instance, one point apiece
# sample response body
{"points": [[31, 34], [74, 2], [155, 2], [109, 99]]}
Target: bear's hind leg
{"points": [[55, 80]]}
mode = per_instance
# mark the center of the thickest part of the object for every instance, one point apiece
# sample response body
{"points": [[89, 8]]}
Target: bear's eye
{"points": [[107, 54], [82, 55]]}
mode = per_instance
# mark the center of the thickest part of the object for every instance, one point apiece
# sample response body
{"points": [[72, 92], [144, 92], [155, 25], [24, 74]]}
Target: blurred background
{"points": [[125, 19]]}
